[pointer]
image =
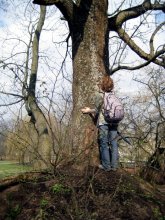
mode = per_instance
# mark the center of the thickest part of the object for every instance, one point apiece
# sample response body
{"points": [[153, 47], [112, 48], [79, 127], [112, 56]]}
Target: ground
{"points": [[71, 194]]}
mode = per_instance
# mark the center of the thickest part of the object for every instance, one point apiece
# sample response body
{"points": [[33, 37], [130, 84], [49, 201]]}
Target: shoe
{"points": [[100, 166], [113, 169]]}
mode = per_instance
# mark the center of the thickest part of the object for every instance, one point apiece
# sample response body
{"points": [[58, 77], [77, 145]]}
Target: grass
{"points": [[10, 168]]}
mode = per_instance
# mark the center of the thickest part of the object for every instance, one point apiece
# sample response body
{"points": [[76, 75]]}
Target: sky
{"points": [[18, 29]]}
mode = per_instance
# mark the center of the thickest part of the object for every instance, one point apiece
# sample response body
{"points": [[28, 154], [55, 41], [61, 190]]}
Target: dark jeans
{"points": [[108, 146]]}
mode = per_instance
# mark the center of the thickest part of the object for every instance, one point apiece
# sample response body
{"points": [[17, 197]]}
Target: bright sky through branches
{"points": [[19, 18]]}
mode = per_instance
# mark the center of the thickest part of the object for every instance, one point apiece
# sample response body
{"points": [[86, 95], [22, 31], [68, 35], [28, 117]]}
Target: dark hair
{"points": [[106, 84]]}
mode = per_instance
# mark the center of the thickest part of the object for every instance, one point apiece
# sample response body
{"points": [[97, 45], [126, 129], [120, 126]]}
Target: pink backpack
{"points": [[113, 109]]}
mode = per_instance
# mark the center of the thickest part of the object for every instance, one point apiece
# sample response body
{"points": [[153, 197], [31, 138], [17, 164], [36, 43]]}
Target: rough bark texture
{"points": [[41, 136], [89, 63], [43, 148]]}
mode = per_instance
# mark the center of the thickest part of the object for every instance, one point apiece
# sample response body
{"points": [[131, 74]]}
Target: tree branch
{"points": [[152, 38], [149, 57], [138, 66], [46, 2], [12, 94], [11, 103], [65, 6], [116, 21]]}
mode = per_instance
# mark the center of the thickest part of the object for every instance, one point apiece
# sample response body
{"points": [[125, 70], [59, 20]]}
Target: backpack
{"points": [[113, 109]]}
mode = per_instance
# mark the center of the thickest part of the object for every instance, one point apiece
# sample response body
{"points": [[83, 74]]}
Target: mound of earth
{"points": [[70, 194]]}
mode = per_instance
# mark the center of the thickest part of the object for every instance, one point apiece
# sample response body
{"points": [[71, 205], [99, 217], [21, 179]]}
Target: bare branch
{"points": [[65, 6], [117, 10], [11, 103], [138, 66], [134, 12], [152, 38], [46, 2], [116, 22], [149, 57], [12, 94]]}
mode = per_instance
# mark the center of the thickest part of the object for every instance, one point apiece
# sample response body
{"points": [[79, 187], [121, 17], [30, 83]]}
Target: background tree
{"points": [[3, 131], [154, 118], [145, 126], [21, 65]]}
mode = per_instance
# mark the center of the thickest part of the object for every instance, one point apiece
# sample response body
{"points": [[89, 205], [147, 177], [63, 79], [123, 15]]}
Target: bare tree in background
{"points": [[42, 140], [145, 125], [154, 118]]}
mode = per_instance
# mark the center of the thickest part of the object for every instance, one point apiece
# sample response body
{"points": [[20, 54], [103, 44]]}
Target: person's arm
{"points": [[91, 112], [94, 113], [88, 110]]}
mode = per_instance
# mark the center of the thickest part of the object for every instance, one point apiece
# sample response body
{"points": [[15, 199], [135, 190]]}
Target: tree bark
{"points": [[90, 61], [42, 150]]}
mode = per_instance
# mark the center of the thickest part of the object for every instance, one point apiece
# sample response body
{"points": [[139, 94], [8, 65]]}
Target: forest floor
{"points": [[71, 194]]}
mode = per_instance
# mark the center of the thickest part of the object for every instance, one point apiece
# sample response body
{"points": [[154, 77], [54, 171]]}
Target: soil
{"points": [[71, 194]]}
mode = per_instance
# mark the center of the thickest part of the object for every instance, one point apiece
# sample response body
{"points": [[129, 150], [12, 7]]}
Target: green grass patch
{"points": [[10, 168]]}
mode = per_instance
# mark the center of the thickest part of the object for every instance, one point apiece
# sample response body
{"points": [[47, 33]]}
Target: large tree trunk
{"points": [[90, 61]]}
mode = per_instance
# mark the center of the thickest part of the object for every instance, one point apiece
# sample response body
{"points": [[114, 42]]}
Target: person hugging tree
{"points": [[107, 130]]}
